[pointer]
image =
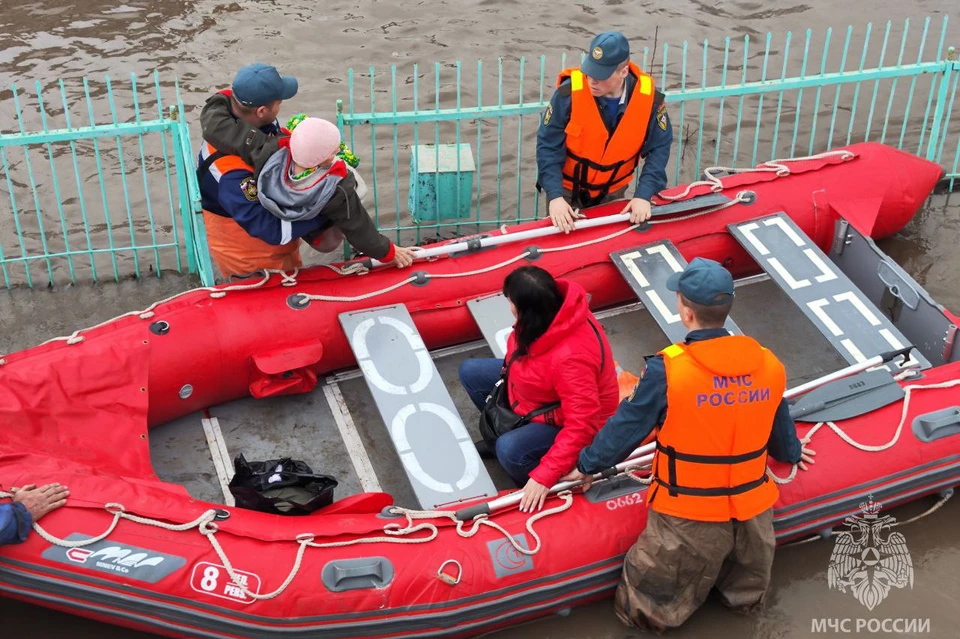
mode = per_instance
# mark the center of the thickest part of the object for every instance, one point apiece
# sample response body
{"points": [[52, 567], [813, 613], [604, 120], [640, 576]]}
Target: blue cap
{"points": [[607, 51], [260, 84], [703, 282]]}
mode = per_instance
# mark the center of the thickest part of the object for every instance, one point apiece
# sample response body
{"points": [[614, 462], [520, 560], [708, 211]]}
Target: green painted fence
{"points": [[739, 102], [99, 184], [97, 189]]}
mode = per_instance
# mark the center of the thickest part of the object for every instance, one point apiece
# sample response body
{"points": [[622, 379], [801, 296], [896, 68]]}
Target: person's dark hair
{"points": [[534, 293], [709, 316]]}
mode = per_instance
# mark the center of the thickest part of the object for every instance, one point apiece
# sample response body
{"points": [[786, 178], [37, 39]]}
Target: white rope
{"points": [[778, 166], [394, 533], [147, 313], [908, 393], [353, 268], [740, 197]]}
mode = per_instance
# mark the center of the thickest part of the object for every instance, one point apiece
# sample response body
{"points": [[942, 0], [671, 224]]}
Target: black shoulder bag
{"points": [[498, 417]]}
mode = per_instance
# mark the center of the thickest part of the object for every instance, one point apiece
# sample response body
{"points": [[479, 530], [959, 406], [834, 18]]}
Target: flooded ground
{"points": [[204, 42]]}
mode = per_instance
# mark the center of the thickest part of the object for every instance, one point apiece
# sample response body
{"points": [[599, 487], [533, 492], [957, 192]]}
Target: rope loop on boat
{"points": [[868, 448], [394, 533], [287, 279], [778, 167]]}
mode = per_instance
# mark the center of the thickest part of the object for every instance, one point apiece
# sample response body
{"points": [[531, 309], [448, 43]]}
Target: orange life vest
{"points": [[599, 163], [234, 251], [711, 459]]}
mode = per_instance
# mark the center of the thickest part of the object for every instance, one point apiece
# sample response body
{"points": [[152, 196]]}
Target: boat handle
{"points": [[447, 579]]}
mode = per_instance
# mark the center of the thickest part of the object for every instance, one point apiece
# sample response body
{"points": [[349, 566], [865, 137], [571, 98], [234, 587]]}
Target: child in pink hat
{"points": [[303, 180], [298, 182]]}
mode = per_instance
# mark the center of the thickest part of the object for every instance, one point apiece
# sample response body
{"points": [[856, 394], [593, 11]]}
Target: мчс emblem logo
{"points": [[870, 559]]}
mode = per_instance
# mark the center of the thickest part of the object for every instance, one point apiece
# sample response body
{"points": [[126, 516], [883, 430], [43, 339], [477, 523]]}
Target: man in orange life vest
{"points": [[718, 400], [602, 120], [241, 132]]}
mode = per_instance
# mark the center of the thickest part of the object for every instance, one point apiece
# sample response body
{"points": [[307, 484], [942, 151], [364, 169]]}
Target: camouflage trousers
{"points": [[675, 563]]}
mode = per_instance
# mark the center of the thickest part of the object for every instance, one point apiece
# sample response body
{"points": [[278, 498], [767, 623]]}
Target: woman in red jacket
{"points": [[557, 352]]}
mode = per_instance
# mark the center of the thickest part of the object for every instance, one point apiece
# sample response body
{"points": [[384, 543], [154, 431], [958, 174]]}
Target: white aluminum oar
{"points": [[643, 454], [476, 243]]}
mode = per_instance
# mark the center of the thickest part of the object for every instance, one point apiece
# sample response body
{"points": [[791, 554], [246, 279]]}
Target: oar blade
{"points": [[846, 398]]}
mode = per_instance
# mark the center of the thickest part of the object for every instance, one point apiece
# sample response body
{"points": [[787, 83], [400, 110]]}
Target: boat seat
{"points": [[852, 324], [435, 449], [646, 269], [492, 314]]}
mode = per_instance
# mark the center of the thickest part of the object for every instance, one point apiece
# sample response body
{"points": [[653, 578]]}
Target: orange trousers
{"points": [[236, 252]]}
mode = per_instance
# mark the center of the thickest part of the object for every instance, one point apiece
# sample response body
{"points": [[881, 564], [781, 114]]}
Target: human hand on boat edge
{"points": [[576, 475], [639, 210], [41, 501], [562, 214], [806, 454], [534, 494], [403, 256]]}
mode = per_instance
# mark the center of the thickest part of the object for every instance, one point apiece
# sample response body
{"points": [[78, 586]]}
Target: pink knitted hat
{"points": [[313, 141]]}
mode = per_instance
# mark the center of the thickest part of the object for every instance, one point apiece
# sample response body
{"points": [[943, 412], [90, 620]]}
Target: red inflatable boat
{"points": [[133, 550]]}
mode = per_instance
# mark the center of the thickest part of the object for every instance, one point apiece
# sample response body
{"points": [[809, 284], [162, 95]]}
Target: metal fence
{"points": [[99, 183], [96, 190], [739, 103]]}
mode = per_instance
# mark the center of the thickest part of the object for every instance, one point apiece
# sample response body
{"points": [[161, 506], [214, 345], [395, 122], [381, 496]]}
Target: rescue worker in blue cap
{"points": [[718, 401], [601, 121], [241, 132]]}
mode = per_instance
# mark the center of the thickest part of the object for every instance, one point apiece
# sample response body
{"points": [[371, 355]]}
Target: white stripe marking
{"points": [[785, 274], [789, 232], [667, 256], [827, 273], [747, 230], [665, 311], [891, 338], [628, 261], [817, 307], [851, 347], [351, 438], [849, 296], [286, 232], [220, 456]]}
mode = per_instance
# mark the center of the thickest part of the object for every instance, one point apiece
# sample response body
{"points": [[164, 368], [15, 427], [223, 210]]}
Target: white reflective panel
{"points": [[849, 296], [426, 372], [664, 310], [414, 339], [853, 350], [826, 273], [628, 261], [667, 256], [501, 337], [785, 274], [747, 230], [891, 339], [374, 377], [817, 307], [782, 225], [359, 339], [398, 429], [412, 464]]}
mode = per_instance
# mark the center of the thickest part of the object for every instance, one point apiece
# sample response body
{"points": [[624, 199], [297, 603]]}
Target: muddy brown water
{"points": [[204, 42]]}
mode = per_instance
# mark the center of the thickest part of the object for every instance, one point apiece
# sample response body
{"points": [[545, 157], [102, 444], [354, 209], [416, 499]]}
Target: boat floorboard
{"points": [[303, 426]]}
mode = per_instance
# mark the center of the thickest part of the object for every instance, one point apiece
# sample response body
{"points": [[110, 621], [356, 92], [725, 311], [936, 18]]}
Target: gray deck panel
{"points": [[646, 269], [822, 292], [418, 413]]}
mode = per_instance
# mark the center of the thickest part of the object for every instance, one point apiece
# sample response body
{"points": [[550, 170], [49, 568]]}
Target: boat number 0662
{"points": [[633, 499]]}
